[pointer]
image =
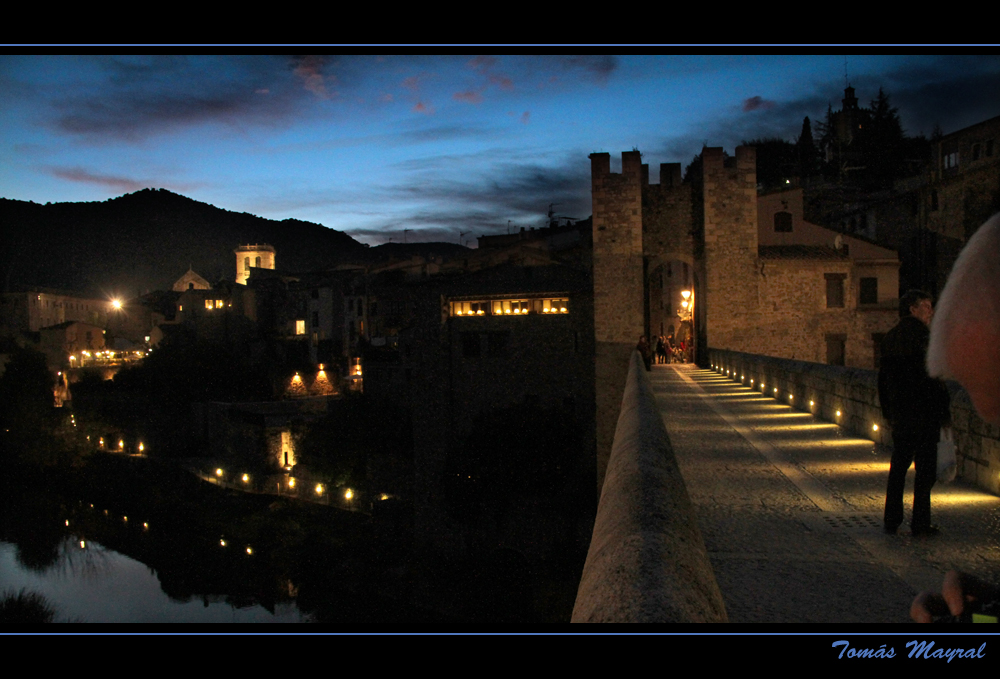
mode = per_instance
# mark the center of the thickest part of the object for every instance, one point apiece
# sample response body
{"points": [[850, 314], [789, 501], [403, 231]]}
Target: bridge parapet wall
{"points": [[647, 560], [825, 390]]}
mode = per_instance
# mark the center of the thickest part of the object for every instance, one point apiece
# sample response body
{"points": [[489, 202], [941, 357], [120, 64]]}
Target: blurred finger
{"points": [[927, 606]]}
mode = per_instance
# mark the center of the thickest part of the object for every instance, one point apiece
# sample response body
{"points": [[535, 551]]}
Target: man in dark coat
{"points": [[916, 406]]}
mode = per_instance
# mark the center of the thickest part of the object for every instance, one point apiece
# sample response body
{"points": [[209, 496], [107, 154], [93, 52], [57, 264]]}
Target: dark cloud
{"points": [[485, 202], [140, 97], [757, 104], [597, 67]]}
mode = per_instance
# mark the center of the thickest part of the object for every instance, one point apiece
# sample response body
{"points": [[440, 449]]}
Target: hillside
{"points": [[145, 240]]}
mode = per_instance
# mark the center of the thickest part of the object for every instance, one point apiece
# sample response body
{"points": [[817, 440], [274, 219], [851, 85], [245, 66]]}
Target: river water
{"points": [[91, 583]]}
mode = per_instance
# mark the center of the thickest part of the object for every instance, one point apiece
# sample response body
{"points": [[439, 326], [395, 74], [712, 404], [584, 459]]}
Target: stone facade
{"points": [[762, 279], [964, 190], [34, 309]]}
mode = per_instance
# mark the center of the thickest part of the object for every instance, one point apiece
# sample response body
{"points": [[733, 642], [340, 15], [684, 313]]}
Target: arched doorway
{"points": [[671, 302]]}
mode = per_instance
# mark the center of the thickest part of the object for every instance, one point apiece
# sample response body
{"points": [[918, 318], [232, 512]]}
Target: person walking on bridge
{"points": [[916, 406]]}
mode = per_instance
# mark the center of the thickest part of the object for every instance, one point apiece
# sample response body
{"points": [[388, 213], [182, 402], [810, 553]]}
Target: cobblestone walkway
{"points": [[790, 508]]}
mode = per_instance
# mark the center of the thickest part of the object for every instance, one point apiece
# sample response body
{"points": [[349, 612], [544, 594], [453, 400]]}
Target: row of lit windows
{"points": [[214, 303], [511, 307]]}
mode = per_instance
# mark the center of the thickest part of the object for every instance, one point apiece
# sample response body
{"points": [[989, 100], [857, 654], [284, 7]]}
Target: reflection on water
{"points": [[91, 583]]}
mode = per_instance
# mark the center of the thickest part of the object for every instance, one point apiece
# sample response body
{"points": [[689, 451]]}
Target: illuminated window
{"points": [[218, 304], [511, 307], [555, 306], [300, 327], [209, 304], [469, 308]]}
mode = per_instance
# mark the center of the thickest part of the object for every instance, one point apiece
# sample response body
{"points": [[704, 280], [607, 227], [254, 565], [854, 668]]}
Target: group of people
{"points": [[960, 340], [664, 350]]}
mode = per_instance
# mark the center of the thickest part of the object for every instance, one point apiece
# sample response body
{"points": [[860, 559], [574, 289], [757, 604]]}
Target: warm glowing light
{"points": [[348, 494], [685, 293], [124, 518], [218, 472], [775, 390], [246, 478], [67, 522], [383, 496], [838, 413], [319, 488], [141, 447], [145, 524], [321, 367], [116, 303], [222, 543], [874, 427], [83, 545], [121, 444], [249, 550], [812, 403], [291, 483]]}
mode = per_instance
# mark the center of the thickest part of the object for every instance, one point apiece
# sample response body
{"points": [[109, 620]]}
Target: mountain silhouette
{"points": [[146, 240]]}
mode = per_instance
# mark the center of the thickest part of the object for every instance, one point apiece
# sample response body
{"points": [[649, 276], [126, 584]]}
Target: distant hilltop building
{"points": [[252, 256], [192, 281]]}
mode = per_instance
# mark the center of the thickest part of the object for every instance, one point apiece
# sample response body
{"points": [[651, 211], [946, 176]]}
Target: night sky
{"points": [[372, 145]]}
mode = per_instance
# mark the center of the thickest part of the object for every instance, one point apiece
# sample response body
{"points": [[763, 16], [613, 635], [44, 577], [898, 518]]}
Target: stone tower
{"points": [[618, 286], [252, 257], [729, 203]]}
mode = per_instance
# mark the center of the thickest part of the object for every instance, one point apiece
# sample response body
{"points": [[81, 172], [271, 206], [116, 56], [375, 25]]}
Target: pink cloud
{"points": [[757, 103], [309, 69], [78, 174], [411, 83], [482, 62], [502, 81], [469, 97], [421, 107]]}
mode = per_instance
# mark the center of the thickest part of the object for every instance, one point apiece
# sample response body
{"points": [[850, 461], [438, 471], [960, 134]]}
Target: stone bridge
{"points": [[752, 491]]}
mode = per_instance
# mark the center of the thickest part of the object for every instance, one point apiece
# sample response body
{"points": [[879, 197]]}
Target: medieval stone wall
{"points": [[618, 287], [729, 196], [795, 320]]}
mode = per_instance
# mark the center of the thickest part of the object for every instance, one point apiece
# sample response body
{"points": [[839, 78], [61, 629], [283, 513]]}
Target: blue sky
{"points": [[372, 145]]}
